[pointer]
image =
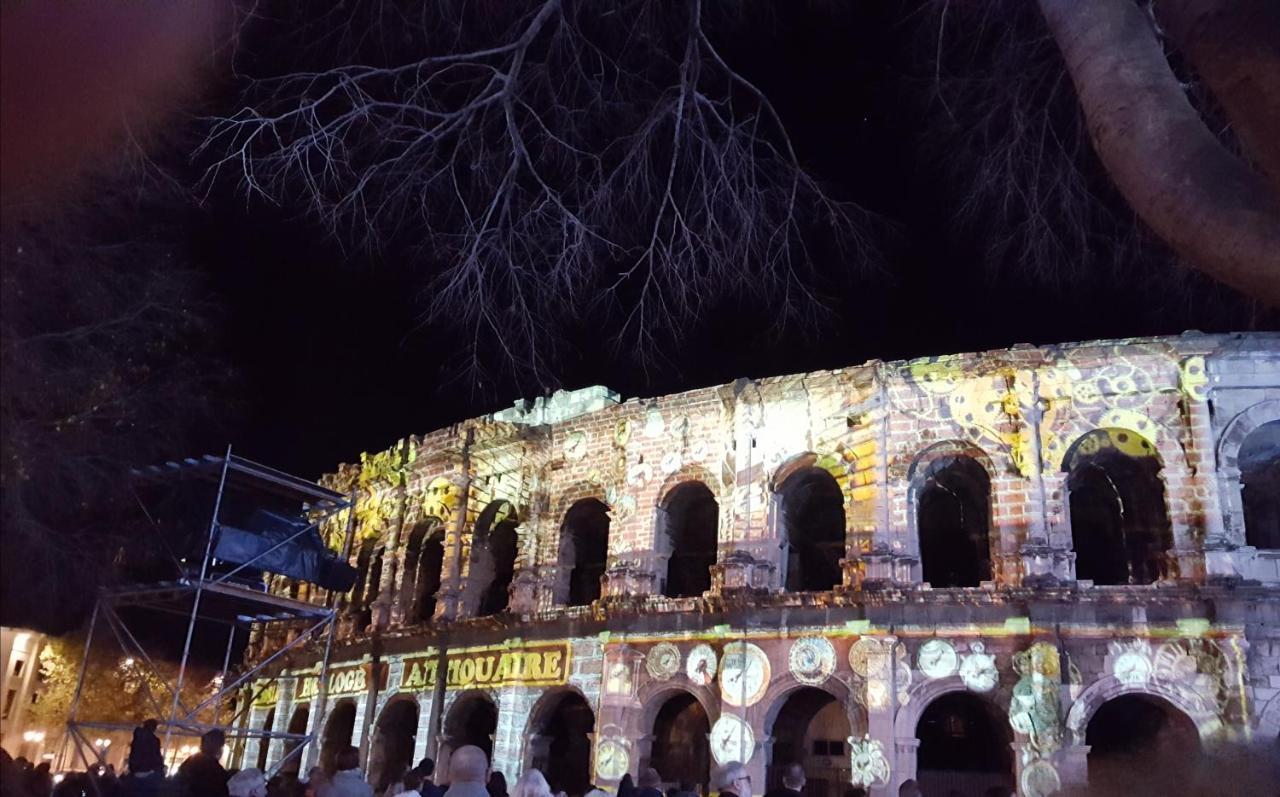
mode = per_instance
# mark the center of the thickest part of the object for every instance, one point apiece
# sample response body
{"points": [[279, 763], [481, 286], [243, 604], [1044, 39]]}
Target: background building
{"points": [[1030, 566], [20, 687]]}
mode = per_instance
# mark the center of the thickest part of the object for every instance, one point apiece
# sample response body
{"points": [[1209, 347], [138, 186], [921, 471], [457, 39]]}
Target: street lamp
{"points": [[34, 737]]}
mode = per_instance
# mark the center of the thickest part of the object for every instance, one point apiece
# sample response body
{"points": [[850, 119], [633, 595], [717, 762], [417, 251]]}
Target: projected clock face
{"points": [[612, 760], [978, 669], [937, 658], [732, 740], [744, 674], [701, 665], [812, 660], [663, 661], [1132, 667]]}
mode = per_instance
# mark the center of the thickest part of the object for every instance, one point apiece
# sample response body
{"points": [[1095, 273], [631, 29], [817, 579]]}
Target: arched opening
{"points": [[964, 746], [1140, 745], [1119, 526], [813, 517], [423, 560], [473, 720], [953, 520], [338, 730], [690, 517], [264, 743], [561, 745], [681, 745], [360, 604], [812, 730], [1259, 463], [493, 558], [391, 753], [297, 725], [584, 551]]}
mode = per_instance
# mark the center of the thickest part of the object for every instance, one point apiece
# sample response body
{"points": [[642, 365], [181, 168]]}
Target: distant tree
{"points": [[106, 357], [118, 689], [550, 154]]}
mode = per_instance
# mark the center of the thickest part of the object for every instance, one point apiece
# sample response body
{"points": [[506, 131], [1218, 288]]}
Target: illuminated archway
{"points": [[264, 743], [560, 732], [681, 752], [951, 498], [338, 731], [423, 562], [1259, 464], [368, 576], [1140, 744], [391, 753], [1119, 525], [812, 518], [297, 725], [584, 551], [472, 720], [811, 728], [493, 559], [964, 745], [689, 521]]}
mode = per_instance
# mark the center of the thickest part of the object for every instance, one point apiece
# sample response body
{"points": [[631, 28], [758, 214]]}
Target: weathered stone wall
{"points": [[1203, 638]]}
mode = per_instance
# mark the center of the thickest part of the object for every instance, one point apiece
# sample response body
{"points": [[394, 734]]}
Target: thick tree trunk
{"points": [[1234, 46], [1213, 210]]}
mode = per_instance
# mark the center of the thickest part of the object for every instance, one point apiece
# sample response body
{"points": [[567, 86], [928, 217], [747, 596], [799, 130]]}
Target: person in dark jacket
{"points": [[144, 751], [792, 782], [202, 774], [650, 783], [497, 784]]}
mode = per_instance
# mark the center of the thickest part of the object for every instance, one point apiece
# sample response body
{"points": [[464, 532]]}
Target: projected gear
{"points": [[663, 661], [812, 660], [978, 669]]}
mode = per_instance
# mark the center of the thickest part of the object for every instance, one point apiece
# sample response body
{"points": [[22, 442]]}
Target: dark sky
{"points": [[333, 358]]}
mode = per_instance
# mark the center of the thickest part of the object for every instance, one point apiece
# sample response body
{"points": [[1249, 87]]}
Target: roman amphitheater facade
{"points": [[968, 570]]}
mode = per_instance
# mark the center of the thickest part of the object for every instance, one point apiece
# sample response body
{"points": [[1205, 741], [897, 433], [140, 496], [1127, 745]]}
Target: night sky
{"points": [[333, 358]]}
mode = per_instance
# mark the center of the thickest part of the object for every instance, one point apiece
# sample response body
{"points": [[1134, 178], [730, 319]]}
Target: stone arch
{"points": [[583, 552], [676, 727], [264, 743], [686, 534], [783, 686], [1239, 428], [654, 694], [951, 506], [470, 718], [810, 521], [339, 727], [562, 754], [297, 726], [793, 710], [1117, 507], [968, 737], [391, 750], [424, 557], [1140, 744], [495, 546], [925, 692], [1237, 433], [1109, 687]]}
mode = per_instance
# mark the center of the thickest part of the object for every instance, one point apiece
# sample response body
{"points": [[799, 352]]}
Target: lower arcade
{"points": [[959, 694]]}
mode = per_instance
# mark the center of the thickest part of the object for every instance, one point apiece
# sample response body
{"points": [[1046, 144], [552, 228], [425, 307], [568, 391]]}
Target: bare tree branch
{"points": [[573, 156]]}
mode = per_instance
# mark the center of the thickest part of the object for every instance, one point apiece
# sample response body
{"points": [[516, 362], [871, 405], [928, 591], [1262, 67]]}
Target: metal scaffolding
{"points": [[214, 594]]}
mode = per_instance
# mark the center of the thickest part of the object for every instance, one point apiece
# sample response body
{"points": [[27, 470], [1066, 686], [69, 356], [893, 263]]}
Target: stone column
{"points": [[1073, 766], [880, 698], [903, 765], [280, 723], [391, 563], [514, 706]]}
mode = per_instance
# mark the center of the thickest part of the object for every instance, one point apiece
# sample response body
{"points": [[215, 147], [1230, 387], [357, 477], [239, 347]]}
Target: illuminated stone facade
{"points": [[831, 568]]}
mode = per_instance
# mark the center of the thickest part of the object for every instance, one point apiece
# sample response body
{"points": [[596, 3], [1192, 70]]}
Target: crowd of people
{"points": [[203, 775]]}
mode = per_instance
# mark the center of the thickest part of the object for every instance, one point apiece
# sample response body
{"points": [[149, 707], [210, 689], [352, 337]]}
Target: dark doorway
{"points": [[681, 751], [368, 572], [813, 516], [298, 725], [264, 744], [1259, 463], [564, 745], [953, 511], [1141, 745], [338, 730], [584, 547], [391, 754], [812, 730], [473, 721], [498, 555], [691, 519], [1119, 527], [964, 746], [424, 557]]}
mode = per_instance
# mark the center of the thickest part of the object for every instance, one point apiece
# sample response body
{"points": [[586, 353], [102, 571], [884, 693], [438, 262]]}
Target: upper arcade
{"points": [[1111, 464]]}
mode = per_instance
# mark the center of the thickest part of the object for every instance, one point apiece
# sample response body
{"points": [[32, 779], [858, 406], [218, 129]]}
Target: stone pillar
{"points": [[423, 734], [254, 743], [514, 706], [880, 699], [1073, 766], [280, 723], [905, 750], [391, 556]]}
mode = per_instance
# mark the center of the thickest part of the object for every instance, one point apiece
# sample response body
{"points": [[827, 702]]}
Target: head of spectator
{"points": [[532, 784], [732, 778], [427, 768], [468, 764], [793, 777], [909, 788], [348, 758], [212, 742], [650, 779], [247, 783], [497, 784]]}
